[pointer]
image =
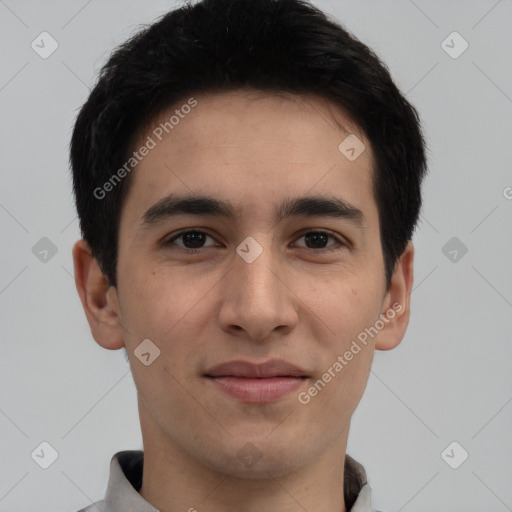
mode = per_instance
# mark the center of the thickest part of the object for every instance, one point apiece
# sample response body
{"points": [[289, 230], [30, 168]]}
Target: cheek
{"points": [[160, 303], [173, 314], [345, 307]]}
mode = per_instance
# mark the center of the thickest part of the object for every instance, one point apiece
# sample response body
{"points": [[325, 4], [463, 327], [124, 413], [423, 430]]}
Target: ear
{"points": [[396, 304], [99, 300]]}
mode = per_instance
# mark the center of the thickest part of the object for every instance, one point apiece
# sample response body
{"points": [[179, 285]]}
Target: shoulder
{"points": [[99, 506]]}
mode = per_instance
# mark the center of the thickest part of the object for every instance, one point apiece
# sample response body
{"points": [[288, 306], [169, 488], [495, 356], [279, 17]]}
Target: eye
{"points": [[320, 238], [193, 240]]}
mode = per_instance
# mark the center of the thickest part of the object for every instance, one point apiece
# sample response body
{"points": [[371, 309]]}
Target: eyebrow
{"points": [[206, 206]]}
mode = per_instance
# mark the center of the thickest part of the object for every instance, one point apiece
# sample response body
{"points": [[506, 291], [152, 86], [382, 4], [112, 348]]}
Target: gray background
{"points": [[448, 381]]}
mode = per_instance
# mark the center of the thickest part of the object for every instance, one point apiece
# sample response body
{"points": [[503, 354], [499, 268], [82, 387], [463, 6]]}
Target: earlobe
{"points": [[396, 308], [99, 300]]}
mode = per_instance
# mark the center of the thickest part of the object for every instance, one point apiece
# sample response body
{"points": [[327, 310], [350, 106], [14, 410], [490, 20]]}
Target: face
{"points": [[206, 287]]}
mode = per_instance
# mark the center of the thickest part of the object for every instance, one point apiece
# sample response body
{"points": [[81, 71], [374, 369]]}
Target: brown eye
{"points": [[318, 240], [191, 240]]}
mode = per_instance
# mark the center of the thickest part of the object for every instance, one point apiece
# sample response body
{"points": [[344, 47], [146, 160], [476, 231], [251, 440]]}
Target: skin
{"points": [[295, 302]]}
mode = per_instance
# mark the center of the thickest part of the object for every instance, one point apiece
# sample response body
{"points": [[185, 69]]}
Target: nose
{"points": [[257, 302]]}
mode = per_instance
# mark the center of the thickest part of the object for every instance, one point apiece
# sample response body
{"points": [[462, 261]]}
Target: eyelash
{"points": [[340, 244]]}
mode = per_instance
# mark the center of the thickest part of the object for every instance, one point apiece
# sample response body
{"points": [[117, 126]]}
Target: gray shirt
{"points": [[125, 481]]}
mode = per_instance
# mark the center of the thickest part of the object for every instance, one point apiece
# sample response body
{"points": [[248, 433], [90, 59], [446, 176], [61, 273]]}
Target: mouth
{"points": [[256, 383]]}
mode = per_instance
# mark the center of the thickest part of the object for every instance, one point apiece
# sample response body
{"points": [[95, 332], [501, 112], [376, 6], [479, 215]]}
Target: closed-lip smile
{"points": [[268, 369], [257, 382]]}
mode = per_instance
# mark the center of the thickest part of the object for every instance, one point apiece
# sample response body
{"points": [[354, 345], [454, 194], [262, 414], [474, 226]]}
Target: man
{"points": [[248, 180]]}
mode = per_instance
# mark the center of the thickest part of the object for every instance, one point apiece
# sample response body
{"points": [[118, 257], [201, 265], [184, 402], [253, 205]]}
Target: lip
{"points": [[257, 382], [257, 391], [267, 369]]}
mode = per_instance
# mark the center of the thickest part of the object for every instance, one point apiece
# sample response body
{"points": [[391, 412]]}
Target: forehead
{"points": [[247, 117], [251, 148]]}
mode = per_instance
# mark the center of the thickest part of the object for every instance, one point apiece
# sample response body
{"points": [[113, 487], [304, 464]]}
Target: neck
{"points": [[174, 480]]}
